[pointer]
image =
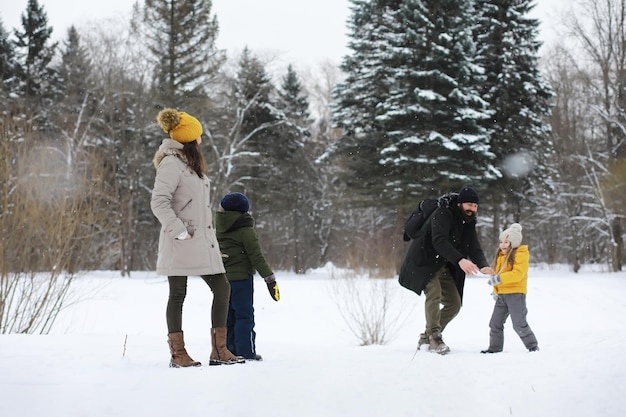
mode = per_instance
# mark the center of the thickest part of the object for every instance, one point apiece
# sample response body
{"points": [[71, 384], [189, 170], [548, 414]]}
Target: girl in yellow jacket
{"points": [[509, 290]]}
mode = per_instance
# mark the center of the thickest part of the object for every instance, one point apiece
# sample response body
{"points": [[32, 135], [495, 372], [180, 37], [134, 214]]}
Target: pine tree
{"points": [[35, 53], [266, 127], [358, 96], [108, 120], [75, 71], [257, 147], [434, 110], [293, 98], [180, 36], [243, 129], [7, 63], [75, 112], [410, 103], [518, 99], [255, 87], [295, 182]]}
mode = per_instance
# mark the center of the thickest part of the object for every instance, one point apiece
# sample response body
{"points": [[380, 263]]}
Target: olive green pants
{"points": [[441, 291], [178, 290]]}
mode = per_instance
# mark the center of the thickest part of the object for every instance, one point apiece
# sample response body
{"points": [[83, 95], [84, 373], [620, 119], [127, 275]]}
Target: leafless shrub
{"points": [[367, 306], [47, 217], [31, 302]]}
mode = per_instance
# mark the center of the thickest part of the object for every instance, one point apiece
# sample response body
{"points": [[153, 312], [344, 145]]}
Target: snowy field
{"points": [[107, 354]]}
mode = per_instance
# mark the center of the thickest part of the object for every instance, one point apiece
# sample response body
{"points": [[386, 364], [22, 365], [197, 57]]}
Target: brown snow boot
{"points": [[180, 358], [424, 340], [220, 355], [437, 345]]}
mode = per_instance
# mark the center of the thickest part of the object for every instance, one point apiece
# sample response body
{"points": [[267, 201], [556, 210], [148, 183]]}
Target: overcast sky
{"points": [[302, 32]]}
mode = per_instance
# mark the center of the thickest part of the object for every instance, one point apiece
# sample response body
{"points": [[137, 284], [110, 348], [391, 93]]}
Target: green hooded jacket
{"points": [[239, 244]]}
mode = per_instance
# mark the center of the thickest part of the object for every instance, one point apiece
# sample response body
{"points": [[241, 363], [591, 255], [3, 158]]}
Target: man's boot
{"points": [[424, 340], [220, 355], [437, 345], [180, 358]]}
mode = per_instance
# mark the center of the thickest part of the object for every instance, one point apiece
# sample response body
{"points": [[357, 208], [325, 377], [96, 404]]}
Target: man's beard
{"points": [[469, 215]]}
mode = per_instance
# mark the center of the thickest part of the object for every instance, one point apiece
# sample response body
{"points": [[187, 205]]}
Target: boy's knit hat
{"points": [[235, 202], [513, 234], [467, 195], [181, 126]]}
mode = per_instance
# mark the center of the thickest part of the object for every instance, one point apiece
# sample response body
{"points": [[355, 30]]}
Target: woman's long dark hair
{"points": [[195, 159]]}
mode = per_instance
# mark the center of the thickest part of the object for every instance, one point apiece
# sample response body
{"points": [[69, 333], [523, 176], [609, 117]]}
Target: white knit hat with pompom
{"points": [[513, 234]]}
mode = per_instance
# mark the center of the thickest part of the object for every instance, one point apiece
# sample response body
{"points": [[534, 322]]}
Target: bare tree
{"points": [[124, 135], [47, 222], [600, 31]]}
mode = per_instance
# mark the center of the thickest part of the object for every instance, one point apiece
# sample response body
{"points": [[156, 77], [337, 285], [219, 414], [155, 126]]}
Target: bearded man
{"points": [[446, 250]]}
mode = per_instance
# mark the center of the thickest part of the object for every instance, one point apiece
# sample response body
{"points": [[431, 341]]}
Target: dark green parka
{"points": [[239, 244], [445, 239]]}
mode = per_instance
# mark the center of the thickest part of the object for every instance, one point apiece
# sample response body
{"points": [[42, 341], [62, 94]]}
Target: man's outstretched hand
{"points": [[468, 267]]}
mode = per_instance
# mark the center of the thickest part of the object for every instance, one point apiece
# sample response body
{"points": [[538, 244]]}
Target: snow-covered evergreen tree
{"points": [[76, 110], [296, 183], [411, 104], [34, 52], [7, 65], [255, 86], [518, 98], [180, 36], [358, 96], [273, 161], [244, 129], [75, 71], [116, 125], [434, 110], [293, 99]]}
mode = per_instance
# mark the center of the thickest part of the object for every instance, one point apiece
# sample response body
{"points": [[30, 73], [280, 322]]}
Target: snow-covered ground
{"points": [[107, 355]]}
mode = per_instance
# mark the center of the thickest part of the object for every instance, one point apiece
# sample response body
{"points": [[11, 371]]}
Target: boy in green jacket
{"points": [[242, 256]]}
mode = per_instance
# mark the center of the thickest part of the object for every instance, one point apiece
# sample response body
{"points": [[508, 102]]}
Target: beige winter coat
{"points": [[181, 201]]}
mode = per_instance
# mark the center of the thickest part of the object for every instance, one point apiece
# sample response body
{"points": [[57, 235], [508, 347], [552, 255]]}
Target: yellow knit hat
{"points": [[181, 126]]}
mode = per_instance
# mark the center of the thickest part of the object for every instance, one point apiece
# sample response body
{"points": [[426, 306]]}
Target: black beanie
{"points": [[468, 195], [235, 202]]}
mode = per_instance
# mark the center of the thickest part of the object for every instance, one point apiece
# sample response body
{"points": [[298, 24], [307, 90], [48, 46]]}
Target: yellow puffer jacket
{"points": [[514, 278]]}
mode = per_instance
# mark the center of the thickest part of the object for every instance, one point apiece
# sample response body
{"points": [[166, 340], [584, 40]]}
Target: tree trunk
{"points": [[618, 247]]}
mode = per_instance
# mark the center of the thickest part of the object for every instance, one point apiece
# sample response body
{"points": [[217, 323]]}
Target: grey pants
{"points": [[515, 306], [441, 290], [178, 291]]}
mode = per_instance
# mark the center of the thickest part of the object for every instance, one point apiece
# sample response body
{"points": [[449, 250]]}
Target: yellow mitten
{"points": [[272, 286]]}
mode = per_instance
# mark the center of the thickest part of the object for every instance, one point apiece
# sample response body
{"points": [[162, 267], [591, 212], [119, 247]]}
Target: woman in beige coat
{"points": [[187, 242]]}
